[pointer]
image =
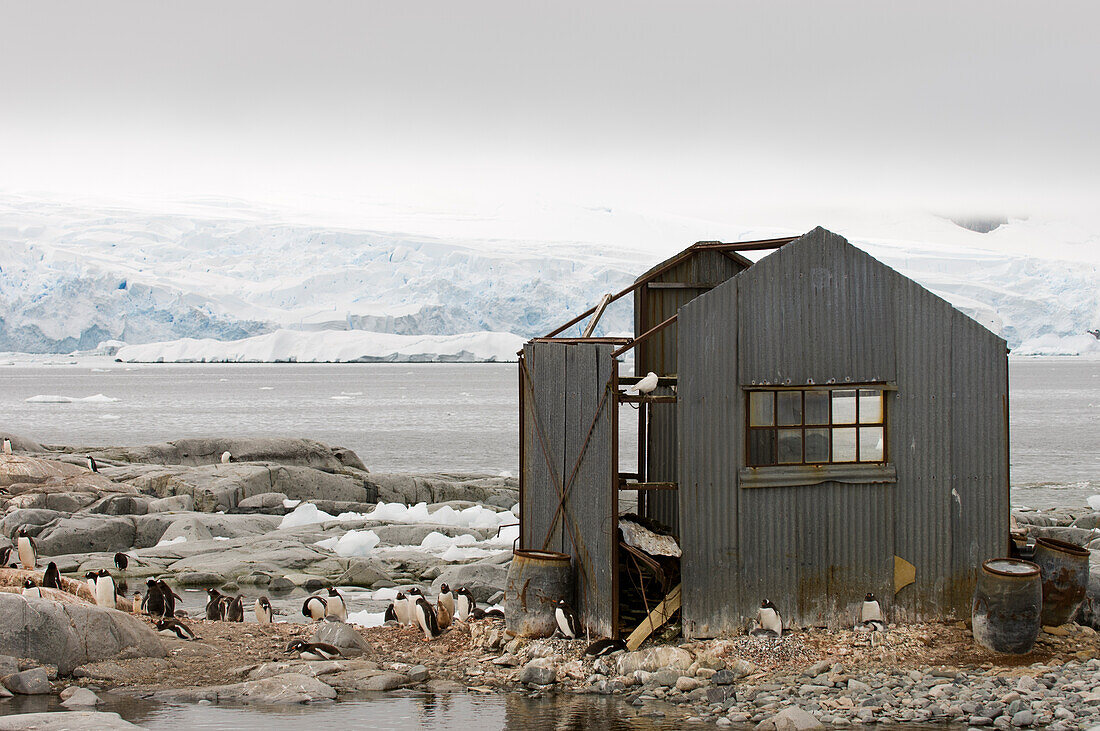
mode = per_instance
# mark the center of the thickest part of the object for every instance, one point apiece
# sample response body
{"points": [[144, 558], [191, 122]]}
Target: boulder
{"points": [[790, 719], [483, 578], [170, 504], [262, 502], [1089, 521], [286, 689], [32, 518], [29, 682], [1077, 536], [342, 636], [653, 659], [86, 533], [538, 672], [189, 528], [377, 681], [121, 505], [17, 468], [80, 698], [66, 721], [68, 635]]}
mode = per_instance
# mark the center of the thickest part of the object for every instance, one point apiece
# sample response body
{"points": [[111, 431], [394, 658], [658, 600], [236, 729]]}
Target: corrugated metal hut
{"points": [[824, 427]]}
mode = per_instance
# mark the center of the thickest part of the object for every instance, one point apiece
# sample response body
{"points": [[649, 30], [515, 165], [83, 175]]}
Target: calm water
{"points": [[460, 417]]}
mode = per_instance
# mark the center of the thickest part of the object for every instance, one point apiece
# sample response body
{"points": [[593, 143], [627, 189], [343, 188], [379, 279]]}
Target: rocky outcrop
{"points": [[208, 451], [66, 721], [68, 635], [501, 492]]}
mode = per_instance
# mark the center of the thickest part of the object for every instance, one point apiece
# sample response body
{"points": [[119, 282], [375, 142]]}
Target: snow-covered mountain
{"points": [[73, 275]]}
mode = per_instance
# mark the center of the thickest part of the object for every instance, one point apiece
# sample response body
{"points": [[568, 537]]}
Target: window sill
{"points": [[796, 475]]}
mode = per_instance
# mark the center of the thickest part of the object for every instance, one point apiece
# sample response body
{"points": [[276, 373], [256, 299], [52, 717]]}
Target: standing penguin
{"points": [[214, 599], [446, 598], [263, 610], [89, 578], [870, 615], [154, 604], [7, 446], [568, 624], [104, 589], [30, 589], [6, 558], [425, 618], [52, 578], [138, 603], [769, 622], [412, 597], [400, 609], [92, 465], [234, 609], [226, 457], [121, 561], [170, 598], [28, 552], [314, 608], [334, 605], [464, 604]]}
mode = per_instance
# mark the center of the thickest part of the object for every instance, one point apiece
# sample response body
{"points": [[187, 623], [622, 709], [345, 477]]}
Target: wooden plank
{"points": [[660, 614], [624, 485], [596, 316], [624, 399], [683, 285]]}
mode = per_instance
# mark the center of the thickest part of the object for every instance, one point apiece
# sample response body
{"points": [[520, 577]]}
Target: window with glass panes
{"points": [[816, 426]]}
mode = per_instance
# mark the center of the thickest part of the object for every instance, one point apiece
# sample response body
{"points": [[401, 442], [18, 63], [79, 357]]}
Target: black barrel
{"points": [[537, 580], [1008, 600], [1065, 571]]}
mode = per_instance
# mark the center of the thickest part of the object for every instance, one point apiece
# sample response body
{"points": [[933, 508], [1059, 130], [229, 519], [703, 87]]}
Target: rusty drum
{"points": [[1008, 600], [536, 581], [1065, 571]]}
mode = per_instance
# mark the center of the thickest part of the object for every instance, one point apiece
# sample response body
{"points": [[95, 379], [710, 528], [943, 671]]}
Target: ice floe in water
{"points": [[110, 417], [267, 388], [352, 543], [54, 399]]}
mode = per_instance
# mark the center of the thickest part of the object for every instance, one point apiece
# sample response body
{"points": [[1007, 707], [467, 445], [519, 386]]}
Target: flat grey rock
{"points": [[289, 688], [29, 682], [65, 721]]}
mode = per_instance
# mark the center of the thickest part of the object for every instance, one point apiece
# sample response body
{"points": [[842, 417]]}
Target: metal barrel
{"points": [[1008, 600], [536, 581], [1065, 571]]}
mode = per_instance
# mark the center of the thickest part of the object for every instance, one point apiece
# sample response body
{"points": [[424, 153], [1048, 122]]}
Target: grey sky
{"points": [[688, 106]]}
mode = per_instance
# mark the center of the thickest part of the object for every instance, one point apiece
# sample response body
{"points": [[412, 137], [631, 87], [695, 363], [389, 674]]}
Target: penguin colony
{"points": [[412, 608]]}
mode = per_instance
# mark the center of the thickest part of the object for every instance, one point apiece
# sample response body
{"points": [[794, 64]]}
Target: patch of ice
{"points": [[351, 393], [385, 594], [267, 388], [1094, 502], [506, 538], [222, 538], [110, 417], [172, 541], [475, 516], [352, 543], [367, 619], [304, 514], [435, 541], [288, 503], [340, 398], [507, 473], [54, 399]]}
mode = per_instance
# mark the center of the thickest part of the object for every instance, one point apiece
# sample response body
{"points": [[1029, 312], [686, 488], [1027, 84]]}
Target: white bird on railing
{"points": [[646, 385]]}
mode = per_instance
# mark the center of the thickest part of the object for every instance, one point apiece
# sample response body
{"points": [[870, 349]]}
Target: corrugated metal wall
{"points": [[654, 304], [820, 311], [567, 424]]}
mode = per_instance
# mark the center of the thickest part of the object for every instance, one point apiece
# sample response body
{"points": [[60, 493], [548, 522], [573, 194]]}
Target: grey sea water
{"points": [[459, 417]]}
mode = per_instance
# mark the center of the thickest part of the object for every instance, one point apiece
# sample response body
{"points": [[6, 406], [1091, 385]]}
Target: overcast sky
{"points": [[694, 108]]}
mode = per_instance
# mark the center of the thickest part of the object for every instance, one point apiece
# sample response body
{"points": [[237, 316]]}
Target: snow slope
{"points": [[288, 285]]}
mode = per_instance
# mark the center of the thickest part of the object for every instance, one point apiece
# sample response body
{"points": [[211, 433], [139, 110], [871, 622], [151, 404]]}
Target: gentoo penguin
{"points": [[604, 647], [425, 618], [263, 610], [89, 578], [138, 603], [52, 578], [400, 607], [170, 598], [769, 623], [214, 600], [414, 594], [644, 386], [442, 615], [121, 561], [314, 608], [464, 604], [226, 457], [92, 465], [870, 615], [154, 604], [568, 624], [104, 589], [234, 609], [175, 628], [391, 614], [446, 598], [6, 557], [313, 650], [31, 589], [28, 552], [7, 446], [334, 605]]}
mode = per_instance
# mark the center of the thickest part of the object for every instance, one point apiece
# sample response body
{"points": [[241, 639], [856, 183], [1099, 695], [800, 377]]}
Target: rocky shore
{"points": [[286, 517]]}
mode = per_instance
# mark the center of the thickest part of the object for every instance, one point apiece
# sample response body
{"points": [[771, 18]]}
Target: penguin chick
{"points": [[314, 608], [390, 615], [769, 623], [442, 616], [175, 628], [425, 618], [334, 605], [410, 601], [567, 621], [313, 650], [263, 610], [137, 603], [464, 604], [30, 589], [52, 578]]}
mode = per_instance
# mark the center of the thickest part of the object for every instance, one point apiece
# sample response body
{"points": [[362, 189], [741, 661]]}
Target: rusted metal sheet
{"points": [[821, 311]]}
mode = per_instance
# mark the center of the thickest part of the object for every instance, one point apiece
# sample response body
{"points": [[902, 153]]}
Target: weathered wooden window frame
{"points": [[811, 473]]}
